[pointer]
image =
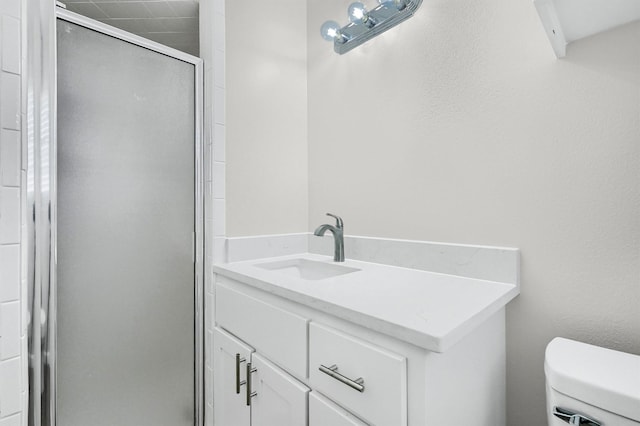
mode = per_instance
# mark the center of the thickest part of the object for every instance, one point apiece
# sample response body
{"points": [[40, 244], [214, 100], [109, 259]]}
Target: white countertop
{"points": [[427, 309]]}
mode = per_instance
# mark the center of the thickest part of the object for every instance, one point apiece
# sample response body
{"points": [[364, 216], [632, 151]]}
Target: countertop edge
{"points": [[394, 330]]}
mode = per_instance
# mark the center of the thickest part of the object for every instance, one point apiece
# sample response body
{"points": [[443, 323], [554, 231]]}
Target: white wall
{"points": [[266, 117], [12, 324], [461, 126]]}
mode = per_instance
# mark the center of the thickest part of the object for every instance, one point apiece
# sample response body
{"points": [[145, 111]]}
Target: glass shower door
{"points": [[126, 223]]}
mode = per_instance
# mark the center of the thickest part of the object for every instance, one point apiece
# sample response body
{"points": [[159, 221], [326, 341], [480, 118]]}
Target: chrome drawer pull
{"points": [[238, 381], [357, 384], [250, 393]]}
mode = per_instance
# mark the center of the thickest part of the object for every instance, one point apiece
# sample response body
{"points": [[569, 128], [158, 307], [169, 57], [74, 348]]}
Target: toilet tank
{"points": [[600, 384]]}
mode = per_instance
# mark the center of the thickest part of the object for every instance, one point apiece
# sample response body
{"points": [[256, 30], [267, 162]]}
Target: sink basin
{"points": [[307, 269]]}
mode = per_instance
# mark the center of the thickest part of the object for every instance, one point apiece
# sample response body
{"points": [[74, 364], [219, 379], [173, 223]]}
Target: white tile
{"points": [[219, 7], [11, 44], [181, 25], [219, 180], [208, 81], [219, 68], [14, 420], [219, 213], [125, 10], [190, 46], [155, 25], [9, 272], [9, 215], [208, 201], [10, 101], [219, 250], [219, 143], [208, 119], [10, 7], [25, 370], [208, 159], [88, 9], [208, 96], [10, 393], [24, 148], [218, 105], [206, 33], [10, 330], [135, 26], [161, 9], [174, 39], [185, 8], [10, 157], [25, 316], [208, 135], [218, 32]]}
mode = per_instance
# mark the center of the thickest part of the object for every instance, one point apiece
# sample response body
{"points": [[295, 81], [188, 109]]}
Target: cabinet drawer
{"points": [[323, 412], [382, 401], [280, 335]]}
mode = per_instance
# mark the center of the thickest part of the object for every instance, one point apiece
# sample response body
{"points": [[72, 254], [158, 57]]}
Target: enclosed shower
{"points": [[115, 292]]}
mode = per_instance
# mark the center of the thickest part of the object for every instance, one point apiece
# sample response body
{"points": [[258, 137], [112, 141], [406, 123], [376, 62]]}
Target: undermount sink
{"points": [[307, 269]]}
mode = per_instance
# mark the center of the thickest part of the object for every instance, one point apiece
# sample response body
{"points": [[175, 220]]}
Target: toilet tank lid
{"points": [[601, 377]]}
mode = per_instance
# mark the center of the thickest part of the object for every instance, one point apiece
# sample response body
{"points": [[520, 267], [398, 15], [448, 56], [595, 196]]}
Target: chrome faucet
{"points": [[338, 236]]}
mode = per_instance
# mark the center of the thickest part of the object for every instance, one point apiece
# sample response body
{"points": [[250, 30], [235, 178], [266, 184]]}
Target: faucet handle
{"points": [[338, 219]]}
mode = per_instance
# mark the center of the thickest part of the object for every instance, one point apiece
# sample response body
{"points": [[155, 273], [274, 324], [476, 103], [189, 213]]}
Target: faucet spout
{"points": [[338, 237], [322, 229]]}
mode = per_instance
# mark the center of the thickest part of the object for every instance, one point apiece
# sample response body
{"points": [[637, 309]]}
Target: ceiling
{"points": [[171, 22]]}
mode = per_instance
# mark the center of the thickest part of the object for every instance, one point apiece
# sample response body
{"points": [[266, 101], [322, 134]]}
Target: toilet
{"points": [[591, 386]]}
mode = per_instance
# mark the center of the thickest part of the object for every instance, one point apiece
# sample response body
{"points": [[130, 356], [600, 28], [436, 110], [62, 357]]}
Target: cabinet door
{"points": [[230, 406], [280, 400], [323, 412]]}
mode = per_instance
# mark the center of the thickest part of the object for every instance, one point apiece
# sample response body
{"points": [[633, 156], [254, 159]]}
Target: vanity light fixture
{"points": [[364, 24]]}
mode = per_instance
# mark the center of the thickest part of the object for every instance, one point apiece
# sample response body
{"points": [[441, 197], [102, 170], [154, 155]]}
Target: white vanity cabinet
{"points": [[323, 412], [251, 391], [229, 387], [279, 400], [315, 369], [278, 334], [366, 379]]}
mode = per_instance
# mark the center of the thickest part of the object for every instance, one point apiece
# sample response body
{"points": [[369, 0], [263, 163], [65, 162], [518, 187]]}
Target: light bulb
{"points": [[357, 13], [330, 30]]}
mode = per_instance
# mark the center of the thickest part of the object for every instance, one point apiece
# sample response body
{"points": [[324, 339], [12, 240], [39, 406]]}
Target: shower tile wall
{"points": [[212, 51], [13, 346], [170, 22]]}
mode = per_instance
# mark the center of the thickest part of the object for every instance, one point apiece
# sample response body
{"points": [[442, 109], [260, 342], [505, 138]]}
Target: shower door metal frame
{"points": [[41, 204]]}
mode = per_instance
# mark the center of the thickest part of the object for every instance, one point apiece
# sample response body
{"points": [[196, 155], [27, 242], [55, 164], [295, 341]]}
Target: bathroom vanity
{"points": [[302, 340]]}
